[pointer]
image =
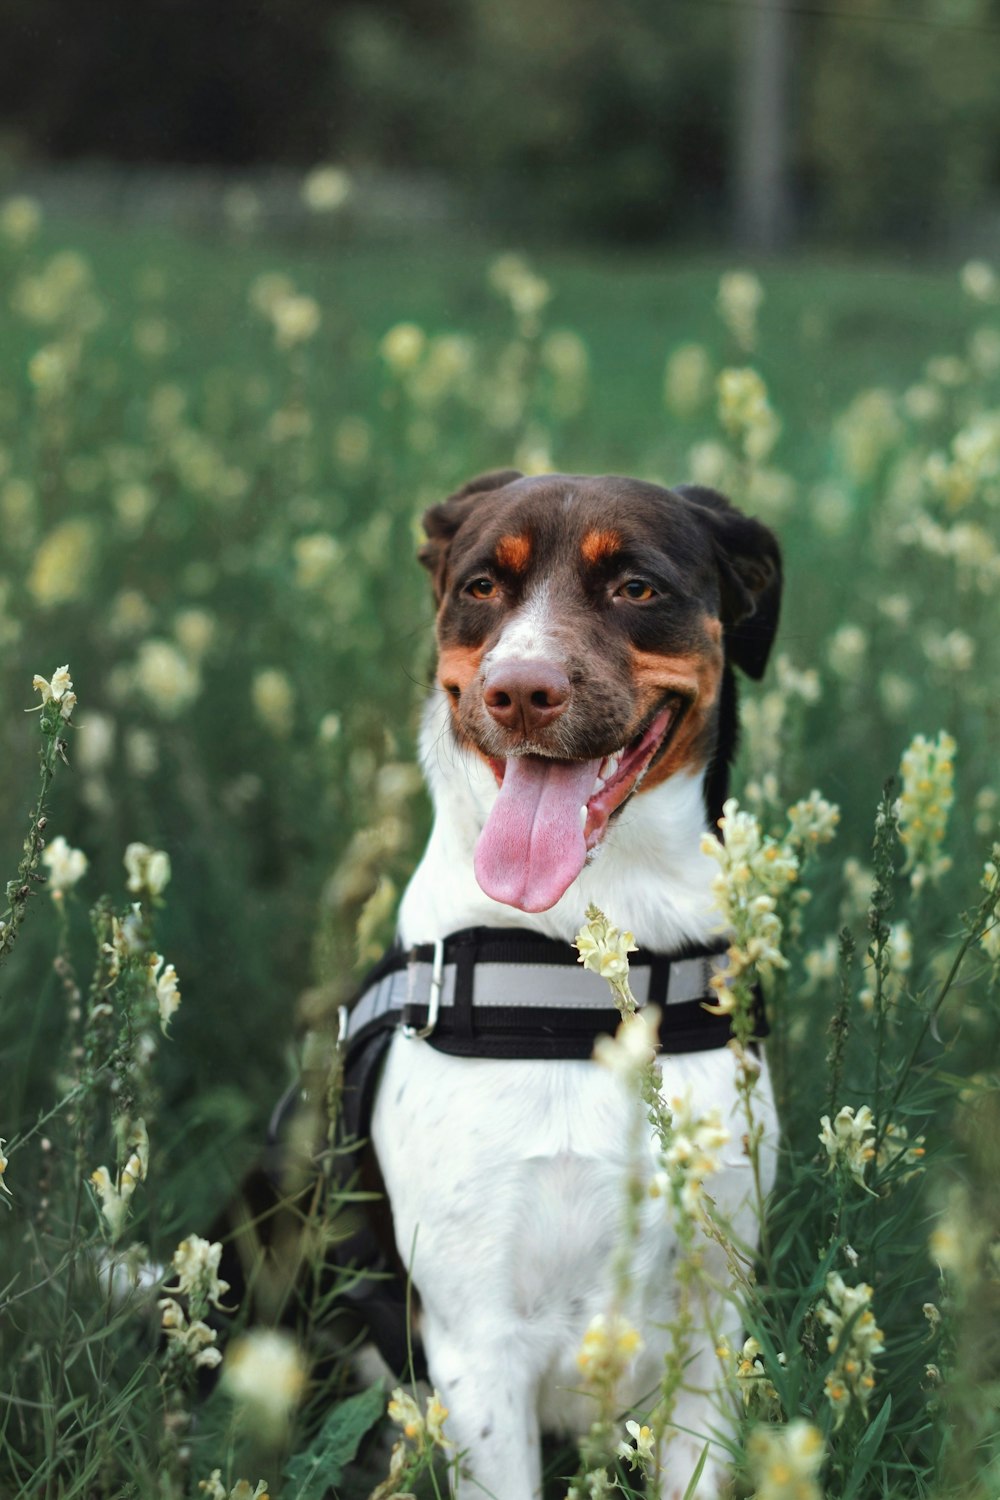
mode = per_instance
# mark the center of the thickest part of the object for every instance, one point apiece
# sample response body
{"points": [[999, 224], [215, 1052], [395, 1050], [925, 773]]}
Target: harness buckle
{"points": [[415, 1033]]}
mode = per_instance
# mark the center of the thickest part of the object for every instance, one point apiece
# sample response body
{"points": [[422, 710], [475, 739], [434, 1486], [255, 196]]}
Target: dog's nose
{"points": [[525, 695]]}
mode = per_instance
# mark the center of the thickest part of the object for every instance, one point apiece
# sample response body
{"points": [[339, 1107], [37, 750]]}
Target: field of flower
{"points": [[213, 460]]}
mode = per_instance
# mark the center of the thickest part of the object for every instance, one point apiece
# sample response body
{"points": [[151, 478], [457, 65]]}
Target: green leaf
{"points": [[866, 1450], [695, 1477], [322, 1463]]}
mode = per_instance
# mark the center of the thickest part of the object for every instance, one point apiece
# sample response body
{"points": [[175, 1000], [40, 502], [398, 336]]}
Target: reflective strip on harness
{"points": [[537, 984], [507, 994]]}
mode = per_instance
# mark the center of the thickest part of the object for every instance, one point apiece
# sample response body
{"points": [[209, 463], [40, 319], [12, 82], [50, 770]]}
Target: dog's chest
{"points": [[509, 1183]]}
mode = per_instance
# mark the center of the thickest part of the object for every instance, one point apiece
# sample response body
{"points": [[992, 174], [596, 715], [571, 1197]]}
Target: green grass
{"points": [[278, 828]]}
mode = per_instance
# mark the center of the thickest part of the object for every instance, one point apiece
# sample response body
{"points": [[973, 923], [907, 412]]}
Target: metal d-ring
{"points": [[414, 1033]]}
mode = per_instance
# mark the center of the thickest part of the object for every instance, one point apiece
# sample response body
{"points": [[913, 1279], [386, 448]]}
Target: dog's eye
{"points": [[636, 590], [481, 588]]}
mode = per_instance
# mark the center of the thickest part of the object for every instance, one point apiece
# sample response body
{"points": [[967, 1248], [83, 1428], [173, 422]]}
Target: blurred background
{"points": [[854, 124], [274, 278]]}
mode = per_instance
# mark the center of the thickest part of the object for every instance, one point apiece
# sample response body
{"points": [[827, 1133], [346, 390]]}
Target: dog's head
{"points": [[586, 629]]}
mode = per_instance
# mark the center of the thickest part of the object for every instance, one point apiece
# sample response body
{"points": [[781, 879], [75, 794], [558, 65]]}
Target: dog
{"points": [[576, 744]]}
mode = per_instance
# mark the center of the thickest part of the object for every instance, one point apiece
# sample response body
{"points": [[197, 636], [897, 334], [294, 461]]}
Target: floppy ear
{"points": [[749, 562], [442, 521]]}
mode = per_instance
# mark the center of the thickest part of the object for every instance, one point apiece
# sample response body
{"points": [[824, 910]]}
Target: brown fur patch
{"points": [[696, 676], [597, 545], [458, 665], [514, 552]]}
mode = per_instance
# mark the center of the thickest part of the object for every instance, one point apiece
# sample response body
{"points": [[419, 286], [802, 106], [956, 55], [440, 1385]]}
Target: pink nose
{"points": [[525, 695]]}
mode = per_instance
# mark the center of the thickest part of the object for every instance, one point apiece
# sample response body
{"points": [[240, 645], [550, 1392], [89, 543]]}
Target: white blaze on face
{"points": [[529, 634]]}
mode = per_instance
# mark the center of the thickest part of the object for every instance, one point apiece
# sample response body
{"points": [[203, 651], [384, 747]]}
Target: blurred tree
{"points": [[899, 116], [610, 118], [601, 116], [170, 80]]}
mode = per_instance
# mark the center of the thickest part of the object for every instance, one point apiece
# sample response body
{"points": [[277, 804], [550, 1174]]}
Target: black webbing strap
{"points": [[519, 945], [519, 1033]]}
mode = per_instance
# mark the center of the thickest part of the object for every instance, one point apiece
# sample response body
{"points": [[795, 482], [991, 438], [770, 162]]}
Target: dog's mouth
{"points": [[550, 814]]}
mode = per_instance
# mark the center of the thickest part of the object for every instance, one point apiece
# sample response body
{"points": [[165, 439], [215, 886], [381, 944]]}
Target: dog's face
{"points": [[585, 627]]}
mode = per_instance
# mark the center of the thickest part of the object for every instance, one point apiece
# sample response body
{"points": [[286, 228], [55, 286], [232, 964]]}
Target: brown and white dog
{"points": [[577, 747]]}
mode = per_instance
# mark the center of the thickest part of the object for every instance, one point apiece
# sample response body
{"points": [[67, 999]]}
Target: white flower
{"points": [[852, 1379], [196, 1262], [513, 278], [687, 379], [116, 1196], [979, 281], [867, 432], [760, 1397], [273, 695], [928, 772], [990, 940], [898, 1150], [850, 1140], [148, 869], [65, 866], [798, 682], [166, 677], [746, 413], [58, 690], [604, 949], [820, 964], [608, 1348], [316, 555], [785, 1461], [195, 630], [168, 995], [754, 870], [20, 219], [739, 299], [196, 1341], [633, 1047], [326, 188], [296, 319], [402, 347], [419, 1427], [846, 651], [642, 1448], [265, 1375], [3, 1168], [693, 1153], [812, 821]]}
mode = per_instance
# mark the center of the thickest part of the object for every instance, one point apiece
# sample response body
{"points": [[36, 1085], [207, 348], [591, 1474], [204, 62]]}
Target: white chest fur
{"points": [[507, 1180]]}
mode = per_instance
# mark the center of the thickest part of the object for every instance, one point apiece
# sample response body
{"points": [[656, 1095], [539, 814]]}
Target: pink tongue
{"points": [[532, 848]]}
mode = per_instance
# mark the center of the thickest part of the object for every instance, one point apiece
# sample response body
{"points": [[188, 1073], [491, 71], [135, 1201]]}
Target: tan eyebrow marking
{"points": [[514, 552], [599, 544]]}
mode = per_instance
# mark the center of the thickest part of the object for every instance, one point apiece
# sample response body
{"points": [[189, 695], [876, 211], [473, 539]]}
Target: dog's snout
{"points": [[525, 695]]}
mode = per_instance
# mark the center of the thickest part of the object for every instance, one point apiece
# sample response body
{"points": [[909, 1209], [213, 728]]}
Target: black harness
{"points": [[503, 994], [508, 993]]}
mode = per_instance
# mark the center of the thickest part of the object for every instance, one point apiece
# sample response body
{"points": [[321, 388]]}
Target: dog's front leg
{"points": [[492, 1419]]}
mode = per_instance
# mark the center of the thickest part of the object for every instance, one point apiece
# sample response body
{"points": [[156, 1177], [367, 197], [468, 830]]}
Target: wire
{"points": [[834, 13]]}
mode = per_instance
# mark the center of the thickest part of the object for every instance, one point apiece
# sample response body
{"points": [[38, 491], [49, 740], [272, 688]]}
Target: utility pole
{"points": [[763, 197]]}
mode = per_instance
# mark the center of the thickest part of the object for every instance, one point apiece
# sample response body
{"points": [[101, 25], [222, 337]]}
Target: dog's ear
{"points": [[749, 561], [442, 521]]}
